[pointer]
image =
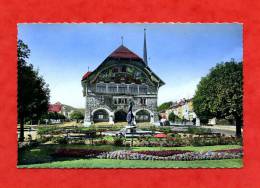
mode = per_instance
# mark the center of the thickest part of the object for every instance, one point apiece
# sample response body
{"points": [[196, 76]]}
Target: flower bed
{"points": [[76, 153], [177, 141], [239, 150], [188, 156], [163, 153]]}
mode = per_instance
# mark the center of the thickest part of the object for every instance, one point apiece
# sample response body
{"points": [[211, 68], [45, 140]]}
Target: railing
{"points": [[121, 88]]}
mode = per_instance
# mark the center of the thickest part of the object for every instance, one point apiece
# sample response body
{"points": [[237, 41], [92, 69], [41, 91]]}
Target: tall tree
{"points": [[164, 106], [76, 115], [33, 92], [219, 94]]}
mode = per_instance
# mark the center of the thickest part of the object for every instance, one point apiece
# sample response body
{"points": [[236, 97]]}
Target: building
{"points": [[122, 77], [183, 109], [59, 108]]}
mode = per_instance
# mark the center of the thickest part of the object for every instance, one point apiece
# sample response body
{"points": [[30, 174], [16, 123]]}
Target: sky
{"points": [[180, 54]]}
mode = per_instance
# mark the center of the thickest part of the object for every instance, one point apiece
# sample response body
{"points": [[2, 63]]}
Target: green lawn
{"points": [[112, 163], [40, 157]]}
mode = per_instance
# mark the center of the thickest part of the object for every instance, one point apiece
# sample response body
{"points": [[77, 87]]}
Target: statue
{"points": [[130, 128], [130, 116]]}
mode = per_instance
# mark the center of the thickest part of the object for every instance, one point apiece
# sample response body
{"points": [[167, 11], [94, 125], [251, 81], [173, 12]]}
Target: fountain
{"points": [[131, 130]]}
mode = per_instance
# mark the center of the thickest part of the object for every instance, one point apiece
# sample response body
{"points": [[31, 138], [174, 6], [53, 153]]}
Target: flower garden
{"points": [[57, 146]]}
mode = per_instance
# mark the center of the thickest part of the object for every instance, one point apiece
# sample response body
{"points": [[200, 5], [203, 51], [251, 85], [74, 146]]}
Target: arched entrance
{"points": [[100, 115], [142, 116], [120, 116]]}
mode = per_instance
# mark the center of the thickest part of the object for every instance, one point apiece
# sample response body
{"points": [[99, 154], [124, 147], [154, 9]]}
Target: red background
{"points": [[15, 11]]}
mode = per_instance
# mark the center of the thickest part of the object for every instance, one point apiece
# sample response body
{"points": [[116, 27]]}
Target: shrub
{"points": [[172, 117], [108, 138], [43, 139], [60, 140], [76, 141], [46, 129], [33, 143], [175, 140], [27, 145], [165, 130], [100, 142], [196, 130], [118, 141], [76, 153], [215, 140]]}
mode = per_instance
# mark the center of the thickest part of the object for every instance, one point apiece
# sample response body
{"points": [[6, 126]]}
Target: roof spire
{"points": [[122, 40], [145, 50]]}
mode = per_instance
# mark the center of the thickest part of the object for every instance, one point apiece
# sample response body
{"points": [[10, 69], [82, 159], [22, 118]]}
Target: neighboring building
{"points": [[183, 109], [56, 107], [122, 77], [59, 108]]}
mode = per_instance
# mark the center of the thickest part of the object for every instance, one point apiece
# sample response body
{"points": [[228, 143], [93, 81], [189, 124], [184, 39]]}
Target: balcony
{"points": [[113, 88]]}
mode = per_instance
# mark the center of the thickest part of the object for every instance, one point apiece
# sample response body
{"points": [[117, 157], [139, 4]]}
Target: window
{"points": [[122, 88], [101, 88], [142, 116], [101, 99], [115, 69], [120, 101], [123, 68], [143, 101], [143, 89], [133, 89], [112, 88], [101, 116]]}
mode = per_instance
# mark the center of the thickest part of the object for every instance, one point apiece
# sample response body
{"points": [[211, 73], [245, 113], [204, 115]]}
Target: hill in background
{"points": [[70, 108]]}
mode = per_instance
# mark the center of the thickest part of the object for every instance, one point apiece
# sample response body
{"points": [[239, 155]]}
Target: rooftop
{"points": [[124, 52]]}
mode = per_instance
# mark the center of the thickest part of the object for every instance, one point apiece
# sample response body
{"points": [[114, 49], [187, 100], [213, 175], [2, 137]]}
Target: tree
{"points": [[33, 92], [77, 115], [219, 94], [53, 115], [164, 106], [172, 117]]}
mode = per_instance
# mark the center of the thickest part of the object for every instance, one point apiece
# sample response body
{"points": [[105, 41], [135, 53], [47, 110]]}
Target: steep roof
{"points": [[121, 52], [86, 75], [124, 52]]}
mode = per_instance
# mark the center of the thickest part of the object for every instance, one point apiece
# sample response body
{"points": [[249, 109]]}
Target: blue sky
{"points": [[180, 54]]}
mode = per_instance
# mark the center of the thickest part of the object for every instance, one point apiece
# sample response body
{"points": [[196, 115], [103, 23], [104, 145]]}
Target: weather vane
{"points": [[122, 40]]}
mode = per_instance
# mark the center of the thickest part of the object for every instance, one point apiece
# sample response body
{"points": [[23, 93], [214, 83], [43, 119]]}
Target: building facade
{"points": [[121, 78], [183, 109]]}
